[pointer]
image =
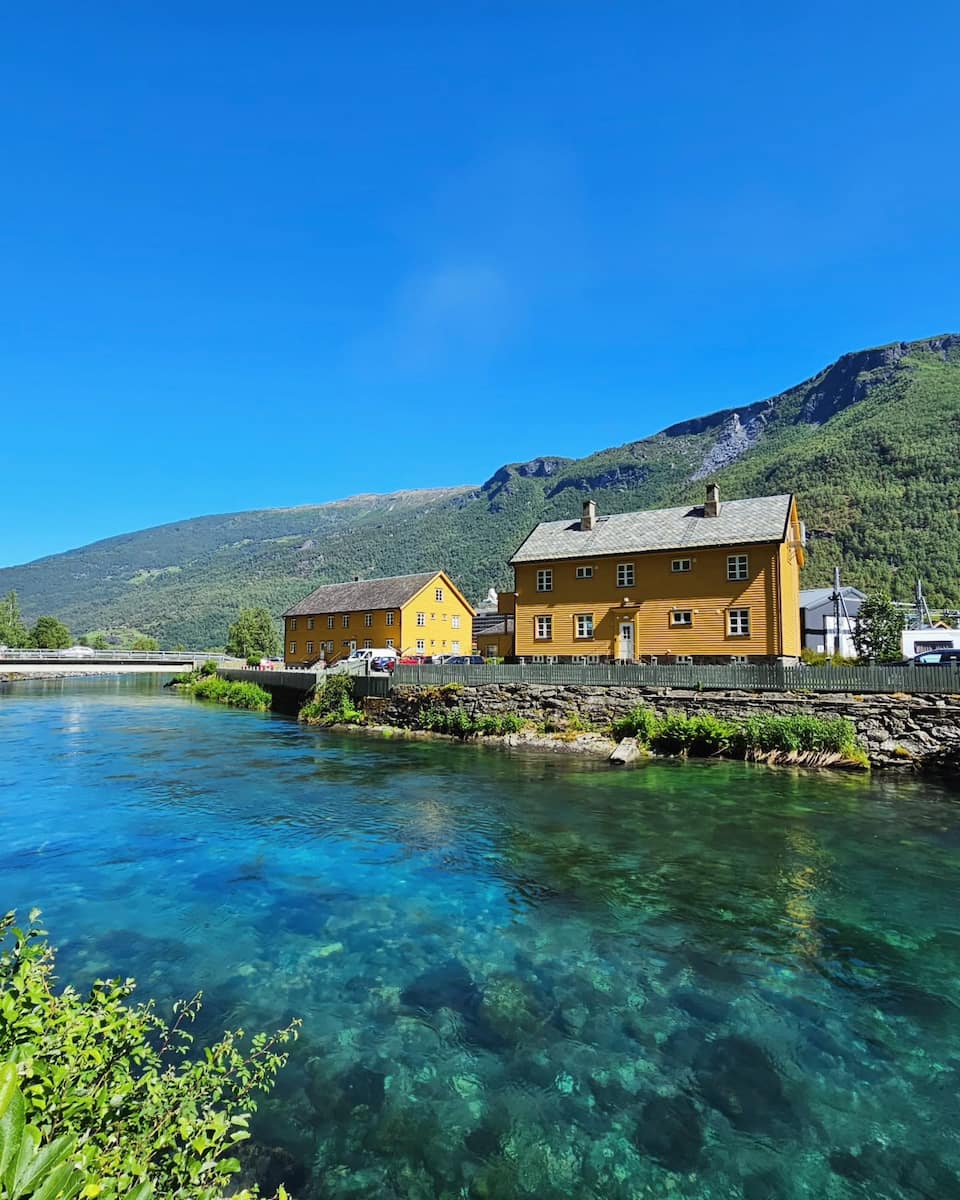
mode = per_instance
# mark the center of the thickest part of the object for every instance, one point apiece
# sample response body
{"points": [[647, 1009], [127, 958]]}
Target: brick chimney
{"points": [[589, 518], [712, 506]]}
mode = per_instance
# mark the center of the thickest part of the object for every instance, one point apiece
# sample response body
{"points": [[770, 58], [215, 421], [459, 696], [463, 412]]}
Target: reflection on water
{"points": [[519, 976]]}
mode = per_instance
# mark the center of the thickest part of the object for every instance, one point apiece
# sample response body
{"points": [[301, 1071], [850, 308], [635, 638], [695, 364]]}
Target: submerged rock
{"points": [[670, 1132], [701, 1006], [448, 986], [360, 1085], [738, 1079]]}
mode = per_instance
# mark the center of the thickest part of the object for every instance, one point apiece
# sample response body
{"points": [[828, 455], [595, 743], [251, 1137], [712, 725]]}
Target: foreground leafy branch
{"points": [[99, 1097]]}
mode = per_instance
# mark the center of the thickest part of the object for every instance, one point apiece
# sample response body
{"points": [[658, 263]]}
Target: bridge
{"points": [[85, 656]]}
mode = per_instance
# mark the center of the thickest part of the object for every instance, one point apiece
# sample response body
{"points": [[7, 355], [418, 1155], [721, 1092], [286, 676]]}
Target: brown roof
{"points": [[360, 594]]}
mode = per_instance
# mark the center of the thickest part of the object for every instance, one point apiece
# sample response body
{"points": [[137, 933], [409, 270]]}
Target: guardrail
{"points": [[126, 656], [735, 677]]}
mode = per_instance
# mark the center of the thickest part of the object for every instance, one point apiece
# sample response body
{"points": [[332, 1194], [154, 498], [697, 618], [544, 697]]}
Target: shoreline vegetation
{"points": [[801, 740], [205, 684]]}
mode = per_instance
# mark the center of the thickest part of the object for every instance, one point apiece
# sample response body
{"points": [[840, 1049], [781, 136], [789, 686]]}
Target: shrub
{"points": [[700, 735], [253, 660], [209, 667], [332, 704], [797, 733], [99, 1096], [222, 691], [497, 724], [640, 723]]}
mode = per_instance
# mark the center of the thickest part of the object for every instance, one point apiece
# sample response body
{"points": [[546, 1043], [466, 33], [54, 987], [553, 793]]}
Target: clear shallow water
{"points": [[519, 976]]}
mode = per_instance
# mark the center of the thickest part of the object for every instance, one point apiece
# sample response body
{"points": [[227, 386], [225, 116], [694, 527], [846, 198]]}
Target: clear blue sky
{"points": [[258, 255]]}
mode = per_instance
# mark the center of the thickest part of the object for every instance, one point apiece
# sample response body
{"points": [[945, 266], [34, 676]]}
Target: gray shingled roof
{"points": [[814, 597], [485, 624], [761, 519], [366, 594]]}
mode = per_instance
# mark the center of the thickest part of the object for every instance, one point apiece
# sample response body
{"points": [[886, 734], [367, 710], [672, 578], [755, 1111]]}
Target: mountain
{"points": [[871, 446]]}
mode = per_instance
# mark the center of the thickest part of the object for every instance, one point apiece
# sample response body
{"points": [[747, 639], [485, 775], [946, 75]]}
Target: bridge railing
{"points": [[100, 656]]}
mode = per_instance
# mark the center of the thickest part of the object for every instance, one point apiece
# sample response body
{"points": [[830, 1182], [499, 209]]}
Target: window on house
{"points": [[367, 620], [433, 616], [389, 643], [309, 647], [681, 616], [584, 572], [739, 659], [292, 649], [443, 616], [545, 581], [684, 660], [309, 622], [454, 622], [421, 644], [346, 620], [543, 627], [455, 647], [293, 624], [680, 565], [330, 621], [438, 595], [389, 618], [737, 566], [625, 575], [738, 622], [421, 618], [584, 625], [367, 644], [330, 647]]}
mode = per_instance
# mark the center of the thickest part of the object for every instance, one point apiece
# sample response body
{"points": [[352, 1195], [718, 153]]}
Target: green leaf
{"points": [[63, 1183], [8, 1084], [11, 1132], [42, 1162]]}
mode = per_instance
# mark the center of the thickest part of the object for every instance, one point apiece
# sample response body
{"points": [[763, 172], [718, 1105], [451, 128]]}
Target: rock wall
{"points": [[900, 730]]}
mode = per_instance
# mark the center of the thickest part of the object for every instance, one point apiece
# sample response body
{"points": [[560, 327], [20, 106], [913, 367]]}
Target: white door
{"points": [[626, 640]]}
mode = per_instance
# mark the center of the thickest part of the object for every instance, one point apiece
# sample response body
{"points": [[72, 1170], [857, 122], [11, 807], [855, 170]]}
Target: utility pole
{"points": [[837, 601]]}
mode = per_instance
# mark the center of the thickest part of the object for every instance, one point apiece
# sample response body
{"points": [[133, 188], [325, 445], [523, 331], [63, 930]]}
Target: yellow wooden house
{"points": [[715, 582], [413, 614]]}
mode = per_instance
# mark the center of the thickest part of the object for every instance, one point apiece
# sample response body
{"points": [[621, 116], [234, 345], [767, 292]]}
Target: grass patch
{"points": [[205, 684], [798, 737]]}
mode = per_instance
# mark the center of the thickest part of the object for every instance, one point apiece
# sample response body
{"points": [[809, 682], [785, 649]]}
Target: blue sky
{"points": [[257, 255]]}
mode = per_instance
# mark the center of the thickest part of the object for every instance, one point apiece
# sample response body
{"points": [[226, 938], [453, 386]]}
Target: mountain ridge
{"points": [[870, 444]]}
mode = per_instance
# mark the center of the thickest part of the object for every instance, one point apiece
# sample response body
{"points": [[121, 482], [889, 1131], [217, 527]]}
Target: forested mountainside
{"points": [[871, 446]]}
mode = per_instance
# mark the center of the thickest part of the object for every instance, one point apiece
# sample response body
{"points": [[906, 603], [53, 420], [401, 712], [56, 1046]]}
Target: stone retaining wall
{"points": [[901, 730]]}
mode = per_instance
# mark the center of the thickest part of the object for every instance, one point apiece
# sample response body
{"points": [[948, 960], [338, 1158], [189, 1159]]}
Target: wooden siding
{"points": [[704, 590], [437, 633]]}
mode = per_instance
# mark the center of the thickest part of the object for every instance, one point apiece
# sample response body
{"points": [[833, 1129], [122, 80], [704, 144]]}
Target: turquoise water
{"points": [[520, 976]]}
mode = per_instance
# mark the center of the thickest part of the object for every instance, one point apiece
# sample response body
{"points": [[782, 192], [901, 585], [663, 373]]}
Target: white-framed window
{"points": [[543, 628], [309, 622], [389, 643], [625, 575], [421, 618], [684, 660], [545, 580], [738, 622], [346, 620], [680, 565], [293, 624], [367, 644], [738, 566], [367, 620], [292, 648], [740, 659], [681, 617], [309, 647], [346, 643], [330, 622], [455, 647], [351, 645], [421, 644], [389, 618], [454, 622], [584, 572], [438, 595], [583, 624], [330, 647]]}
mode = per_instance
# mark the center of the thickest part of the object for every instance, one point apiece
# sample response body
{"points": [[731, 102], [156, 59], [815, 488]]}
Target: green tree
{"points": [[143, 642], [253, 633], [878, 627], [50, 634], [98, 642], [13, 631]]}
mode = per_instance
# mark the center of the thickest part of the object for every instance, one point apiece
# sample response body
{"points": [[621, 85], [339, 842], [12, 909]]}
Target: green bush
{"points": [[98, 1096], [332, 704], [497, 724], [640, 723], [222, 691], [209, 667], [700, 735], [796, 734]]}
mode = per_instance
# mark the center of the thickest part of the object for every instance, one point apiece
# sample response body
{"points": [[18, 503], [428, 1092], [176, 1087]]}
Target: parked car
{"points": [[461, 660], [412, 660], [382, 664], [934, 658], [80, 652]]}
